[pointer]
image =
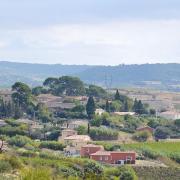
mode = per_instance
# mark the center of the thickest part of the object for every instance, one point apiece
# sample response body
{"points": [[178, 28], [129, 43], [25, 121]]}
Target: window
{"points": [[87, 150], [106, 158], [100, 158]]}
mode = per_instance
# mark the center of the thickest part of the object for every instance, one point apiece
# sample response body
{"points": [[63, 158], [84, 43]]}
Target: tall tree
{"points": [[107, 106], [21, 94], [90, 107], [126, 106], [117, 95]]}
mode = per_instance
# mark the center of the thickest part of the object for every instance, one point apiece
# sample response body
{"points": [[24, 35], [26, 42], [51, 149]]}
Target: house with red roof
{"points": [[89, 149], [114, 157], [97, 153]]}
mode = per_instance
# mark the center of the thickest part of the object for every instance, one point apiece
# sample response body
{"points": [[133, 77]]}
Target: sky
{"points": [[95, 32]]}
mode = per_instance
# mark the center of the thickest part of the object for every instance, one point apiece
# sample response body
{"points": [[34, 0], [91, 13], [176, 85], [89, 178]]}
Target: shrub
{"points": [[5, 166], [52, 145], [150, 153], [162, 132], [142, 136], [12, 131], [175, 157], [81, 130], [122, 173], [19, 141], [103, 134], [92, 169], [13, 161], [127, 173], [27, 153]]}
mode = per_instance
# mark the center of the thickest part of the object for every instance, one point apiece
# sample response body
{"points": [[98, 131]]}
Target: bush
{"points": [[19, 141], [127, 173], [52, 145], [175, 157], [27, 153], [142, 136], [81, 130], [53, 136], [92, 169], [150, 153], [12, 131], [122, 173], [162, 132], [103, 134], [13, 161], [5, 166]]}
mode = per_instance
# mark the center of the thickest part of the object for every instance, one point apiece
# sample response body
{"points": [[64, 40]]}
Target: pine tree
{"points": [[90, 107], [117, 95]]}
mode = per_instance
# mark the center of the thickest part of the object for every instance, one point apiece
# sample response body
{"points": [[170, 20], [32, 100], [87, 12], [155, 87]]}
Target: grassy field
{"points": [[164, 148]]}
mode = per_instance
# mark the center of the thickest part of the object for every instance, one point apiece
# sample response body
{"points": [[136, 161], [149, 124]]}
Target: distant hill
{"points": [[161, 76]]}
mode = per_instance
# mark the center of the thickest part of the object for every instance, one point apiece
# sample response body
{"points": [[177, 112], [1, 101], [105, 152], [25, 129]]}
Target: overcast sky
{"points": [[107, 32]]}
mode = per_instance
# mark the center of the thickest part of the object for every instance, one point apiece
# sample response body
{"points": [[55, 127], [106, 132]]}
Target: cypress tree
{"points": [[107, 106], [126, 106], [90, 107], [117, 95]]}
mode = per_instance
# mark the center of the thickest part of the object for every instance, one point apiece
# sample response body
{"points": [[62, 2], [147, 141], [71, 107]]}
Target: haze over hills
{"points": [[161, 76]]}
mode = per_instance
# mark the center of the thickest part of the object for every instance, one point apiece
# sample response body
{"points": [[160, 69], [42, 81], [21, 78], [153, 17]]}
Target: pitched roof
{"points": [[78, 138], [102, 153], [124, 113], [108, 153], [92, 145], [143, 127]]}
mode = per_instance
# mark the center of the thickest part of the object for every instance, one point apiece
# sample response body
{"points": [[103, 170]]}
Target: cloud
{"points": [[112, 42]]}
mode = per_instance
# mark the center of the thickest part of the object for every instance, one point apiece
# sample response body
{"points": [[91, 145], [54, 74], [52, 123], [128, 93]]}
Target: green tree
{"points": [[21, 95], [39, 90], [177, 122], [162, 132], [82, 130], [139, 107], [96, 91], [115, 106], [90, 107], [142, 136], [68, 85], [43, 113], [92, 170]]}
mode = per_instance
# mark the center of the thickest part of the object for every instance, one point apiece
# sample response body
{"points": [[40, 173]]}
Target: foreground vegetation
{"points": [[47, 166]]}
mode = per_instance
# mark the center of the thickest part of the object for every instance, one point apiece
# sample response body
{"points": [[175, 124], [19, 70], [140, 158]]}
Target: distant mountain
{"points": [[161, 76]]}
